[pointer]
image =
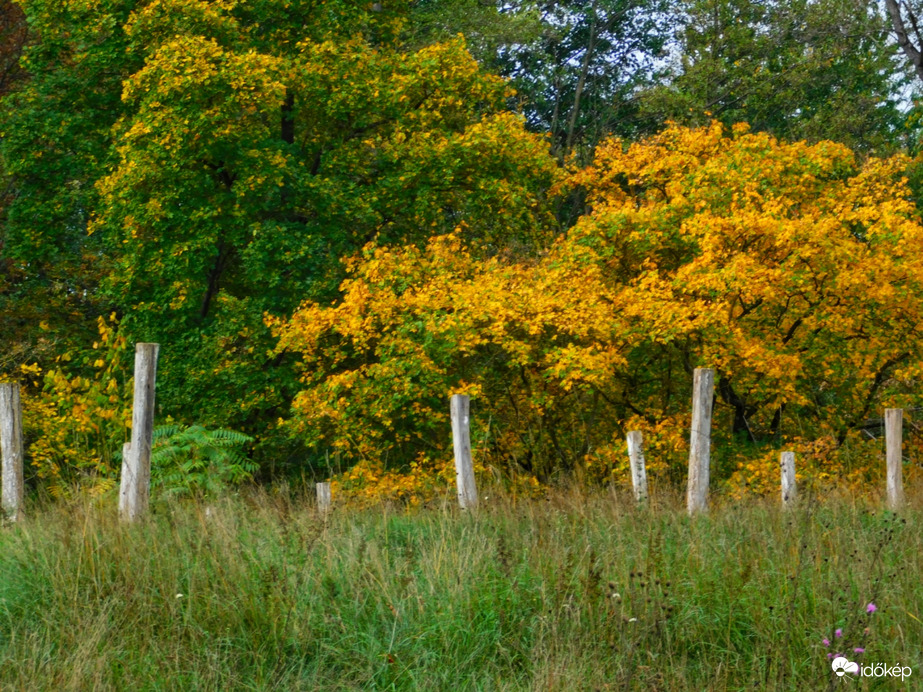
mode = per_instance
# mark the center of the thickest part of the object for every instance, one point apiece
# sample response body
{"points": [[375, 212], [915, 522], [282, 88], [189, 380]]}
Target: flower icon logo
{"points": [[842, 665]]}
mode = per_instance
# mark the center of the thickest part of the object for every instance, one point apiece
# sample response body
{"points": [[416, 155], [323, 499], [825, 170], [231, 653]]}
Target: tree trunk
{"points": [[903, 40], [584, 70]]}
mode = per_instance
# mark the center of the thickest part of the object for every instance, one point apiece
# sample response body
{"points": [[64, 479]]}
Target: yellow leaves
{"points": [[575, 365], [424, 479], [474, 390], [740, 129], [33, 370], [789, 268], [822, 464], [381, 364], [75, 423]]}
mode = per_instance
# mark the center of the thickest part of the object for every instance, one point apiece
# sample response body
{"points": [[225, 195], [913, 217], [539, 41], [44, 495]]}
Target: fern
{"points": [[194, 460]]}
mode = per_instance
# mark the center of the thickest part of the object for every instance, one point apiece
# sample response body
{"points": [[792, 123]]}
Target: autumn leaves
{"points": [[793, 269], [217, 165]]}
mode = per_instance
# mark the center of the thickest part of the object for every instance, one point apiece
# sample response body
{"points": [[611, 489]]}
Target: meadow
{"points": [[577, 590]]}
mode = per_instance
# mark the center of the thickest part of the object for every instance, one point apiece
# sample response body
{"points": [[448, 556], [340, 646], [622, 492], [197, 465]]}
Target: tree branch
{"points": [[903, 40]]}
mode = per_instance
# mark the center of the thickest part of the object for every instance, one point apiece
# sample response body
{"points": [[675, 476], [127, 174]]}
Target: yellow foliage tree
{"points": [[416, 325], [795, 270]]}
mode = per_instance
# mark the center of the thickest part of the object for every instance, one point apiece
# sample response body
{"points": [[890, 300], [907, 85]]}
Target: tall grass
{"points": [[578, 591]]}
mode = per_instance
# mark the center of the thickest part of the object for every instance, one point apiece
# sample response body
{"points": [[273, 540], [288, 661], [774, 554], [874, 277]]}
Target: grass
{"points": [[580, 591]]}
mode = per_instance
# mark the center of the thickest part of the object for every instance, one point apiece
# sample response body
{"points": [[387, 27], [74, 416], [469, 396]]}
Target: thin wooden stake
{"points": [[11, 450], [324, 501], [636, 459], [789, 489], [703, 389], [461, 442], [894, 422], [134, 492]]}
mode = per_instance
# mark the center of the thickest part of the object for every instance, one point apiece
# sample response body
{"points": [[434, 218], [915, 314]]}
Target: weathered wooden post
{"points": [[636, 459], [11, 450], [789, 489], [461, 441], [894, 423], [324, 501], [127, 480], [703, 389], [135, 489]]}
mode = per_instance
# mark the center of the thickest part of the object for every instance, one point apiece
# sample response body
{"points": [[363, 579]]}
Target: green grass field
{"points": [[575, 592]]}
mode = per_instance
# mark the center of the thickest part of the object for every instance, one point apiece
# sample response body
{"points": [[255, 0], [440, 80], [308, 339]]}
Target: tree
{"points": [[55, 145], [793, 269], [193, 165], [576, 65], [490, 28], [12, 40], [904, 17], [579, 79], [530, 341], [248, 164], [811, 69]]}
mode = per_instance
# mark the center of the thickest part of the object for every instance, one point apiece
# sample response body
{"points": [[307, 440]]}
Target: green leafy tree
{"points": [[576, 65], [491, 28], [12, 40], [55, 145], [580, 78], [809, 69], [214, 161]]}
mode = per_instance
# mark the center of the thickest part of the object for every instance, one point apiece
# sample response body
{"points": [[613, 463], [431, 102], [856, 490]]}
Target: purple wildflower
{"points": [[859, 650], [838, 633], [826, 641], [871, 608]]}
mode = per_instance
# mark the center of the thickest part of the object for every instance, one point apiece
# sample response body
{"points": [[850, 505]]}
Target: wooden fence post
{"points": [[703, 389], [324, 501], [11, 450], [135, 489], [127, 481], [894, 422], [461, 442], [789, 489], [636, 459]]}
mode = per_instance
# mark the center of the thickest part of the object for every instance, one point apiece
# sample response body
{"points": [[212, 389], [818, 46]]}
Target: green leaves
{"points": [[247, 168], [196, 461], [810, 69]]}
